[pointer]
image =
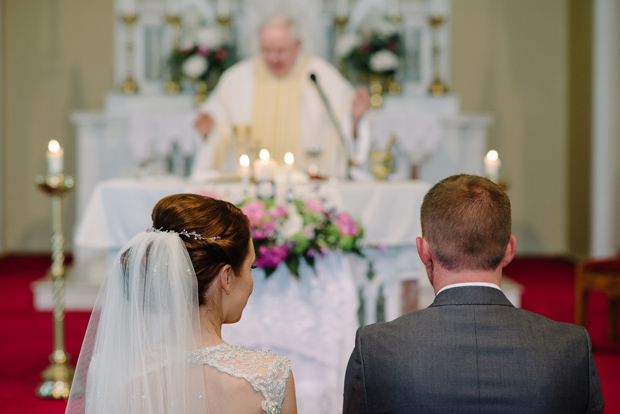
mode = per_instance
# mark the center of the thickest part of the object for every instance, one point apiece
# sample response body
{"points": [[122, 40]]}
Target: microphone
{"points": [[333, 119]]}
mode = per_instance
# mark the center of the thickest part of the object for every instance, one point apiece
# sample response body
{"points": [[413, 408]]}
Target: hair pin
{"points": [[184, 232]]}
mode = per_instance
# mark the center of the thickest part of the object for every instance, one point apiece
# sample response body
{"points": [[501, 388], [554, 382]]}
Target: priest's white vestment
{"points": [[247, 94]]}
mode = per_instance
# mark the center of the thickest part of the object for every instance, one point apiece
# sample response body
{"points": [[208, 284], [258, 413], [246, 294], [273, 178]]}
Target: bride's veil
{"points": [[145, 321]]}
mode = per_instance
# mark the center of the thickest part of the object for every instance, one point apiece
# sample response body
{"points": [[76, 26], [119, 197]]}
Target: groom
{"points": [[471, 351]]}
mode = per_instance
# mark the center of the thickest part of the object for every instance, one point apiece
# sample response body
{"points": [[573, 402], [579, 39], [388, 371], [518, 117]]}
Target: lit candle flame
{"points": [[264, 155], [289, 159], [244, 161], [492, 155], [53, 146]]}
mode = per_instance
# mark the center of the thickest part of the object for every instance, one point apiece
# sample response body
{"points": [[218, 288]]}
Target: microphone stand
{"points": [[335, 123]]}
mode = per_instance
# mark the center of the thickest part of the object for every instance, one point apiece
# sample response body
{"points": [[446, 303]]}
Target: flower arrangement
{"points": [[375, 48], [203, 52], [299, 230]]}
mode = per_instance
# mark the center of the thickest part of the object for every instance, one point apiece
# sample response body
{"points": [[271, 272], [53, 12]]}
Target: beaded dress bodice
{"points": [[264, 370]]}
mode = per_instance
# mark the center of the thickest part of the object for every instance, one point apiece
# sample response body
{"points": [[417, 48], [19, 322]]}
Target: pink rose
{"points": [[255, 210], [346, 225], [278, 212], [221, 54], [314, 206]]}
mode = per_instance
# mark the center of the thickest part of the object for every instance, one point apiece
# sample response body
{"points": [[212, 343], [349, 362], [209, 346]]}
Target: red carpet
{"points": [[27, 334]]}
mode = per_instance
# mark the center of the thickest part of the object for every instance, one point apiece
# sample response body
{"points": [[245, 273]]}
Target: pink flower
{"points": [[382, 248], [271, 256], [203, 51], [221, 54], [255, 210], [346, 225], [314, 206], [269, 228], [278, 212]]}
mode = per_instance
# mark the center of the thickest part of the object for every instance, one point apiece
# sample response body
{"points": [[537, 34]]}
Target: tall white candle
{"points": [[128, 6], [223, 8], [173, 7], [342, 8], [54, 158], [394, 8], [264, 167], [244, 162], [439, 7], [289, 160], [492, 165]]}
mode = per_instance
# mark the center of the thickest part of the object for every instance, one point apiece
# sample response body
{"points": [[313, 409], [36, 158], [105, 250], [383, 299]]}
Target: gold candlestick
{"points": [[225, 22], [340, 23], [174, 23], [437, 88], [129, 85], [57, 377]]}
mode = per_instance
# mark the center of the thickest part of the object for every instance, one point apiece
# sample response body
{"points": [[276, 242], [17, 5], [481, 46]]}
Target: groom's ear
{"points": [[424, 251]]}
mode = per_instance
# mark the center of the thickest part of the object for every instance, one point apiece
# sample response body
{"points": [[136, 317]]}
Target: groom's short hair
{"points": [[466, 221]]}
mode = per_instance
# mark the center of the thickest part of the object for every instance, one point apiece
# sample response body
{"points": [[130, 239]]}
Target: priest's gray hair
{"points": [[282, 20]]}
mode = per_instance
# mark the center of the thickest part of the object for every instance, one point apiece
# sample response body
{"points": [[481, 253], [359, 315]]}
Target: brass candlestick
{"points": [[174, 23], [225, 22], [340, 22], [438, 88], [57, 377], [129, 85]]}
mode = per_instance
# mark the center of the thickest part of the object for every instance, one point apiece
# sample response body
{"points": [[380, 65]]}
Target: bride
{"points": [[154, 342]]}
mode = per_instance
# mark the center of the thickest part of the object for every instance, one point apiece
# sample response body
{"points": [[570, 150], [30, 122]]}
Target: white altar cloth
{"points": [[120, 208], [312, 321]]}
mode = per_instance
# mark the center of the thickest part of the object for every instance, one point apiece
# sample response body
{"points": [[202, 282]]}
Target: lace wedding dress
{"points": [[264, 371]]}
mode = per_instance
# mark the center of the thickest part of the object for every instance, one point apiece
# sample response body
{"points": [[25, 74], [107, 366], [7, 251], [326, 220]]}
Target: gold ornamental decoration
{"points": [[56, 379]]}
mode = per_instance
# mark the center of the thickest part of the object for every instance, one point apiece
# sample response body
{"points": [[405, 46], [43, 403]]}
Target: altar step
{"points": [[81, 293]]}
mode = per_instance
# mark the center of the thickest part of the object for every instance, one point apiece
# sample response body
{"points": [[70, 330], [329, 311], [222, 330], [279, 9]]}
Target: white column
{"points": [[604, 129]]}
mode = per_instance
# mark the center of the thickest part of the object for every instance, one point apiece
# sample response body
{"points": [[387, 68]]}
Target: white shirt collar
{"points": [[469, 284]]}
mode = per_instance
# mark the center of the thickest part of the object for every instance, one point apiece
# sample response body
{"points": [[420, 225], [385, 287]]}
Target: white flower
{"points": [[346, 44], [294, 223], [383, 61], [195, 66], [209, 38]]}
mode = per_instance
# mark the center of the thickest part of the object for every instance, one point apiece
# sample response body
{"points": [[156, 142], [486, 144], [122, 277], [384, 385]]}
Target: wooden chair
{"points": [[603, 276]]}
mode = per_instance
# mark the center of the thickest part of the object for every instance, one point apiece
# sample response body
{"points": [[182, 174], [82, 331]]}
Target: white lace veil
{"points": [[145, 321]]}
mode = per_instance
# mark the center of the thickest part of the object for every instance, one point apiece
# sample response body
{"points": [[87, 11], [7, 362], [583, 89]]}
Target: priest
{"points": [[273, 101]]}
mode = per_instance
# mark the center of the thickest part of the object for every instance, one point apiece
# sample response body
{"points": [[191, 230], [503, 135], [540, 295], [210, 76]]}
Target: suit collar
{"points": [[471, 295]]}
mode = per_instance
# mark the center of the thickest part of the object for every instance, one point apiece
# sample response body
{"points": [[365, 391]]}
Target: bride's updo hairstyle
{"points": [[225, 232]]}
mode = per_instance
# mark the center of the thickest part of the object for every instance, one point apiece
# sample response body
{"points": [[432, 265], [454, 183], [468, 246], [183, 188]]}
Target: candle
{"points": [[223, 8], [244, 162], [342, 8], [172, 7], [264, 167], [491, 166], [393, 8], [54, 158], [289, 160], [128, 6], [439, 8]]}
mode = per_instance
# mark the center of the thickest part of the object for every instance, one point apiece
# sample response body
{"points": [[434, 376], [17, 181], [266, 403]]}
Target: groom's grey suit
{"points": [[471, 351]]}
